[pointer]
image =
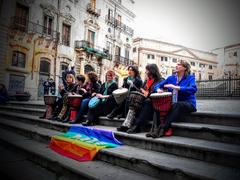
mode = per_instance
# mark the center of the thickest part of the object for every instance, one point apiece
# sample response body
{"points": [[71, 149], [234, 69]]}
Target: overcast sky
{"points": [[199, 24]]}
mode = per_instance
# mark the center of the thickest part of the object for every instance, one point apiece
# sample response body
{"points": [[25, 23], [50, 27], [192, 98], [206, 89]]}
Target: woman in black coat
{"points": [[134, 77], [107, 101], [146, 112]]}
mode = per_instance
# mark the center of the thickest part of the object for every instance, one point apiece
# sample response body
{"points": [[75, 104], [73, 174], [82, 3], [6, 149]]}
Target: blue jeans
{"points": [[83, 109]]}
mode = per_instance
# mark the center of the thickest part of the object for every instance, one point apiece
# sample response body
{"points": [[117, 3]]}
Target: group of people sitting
{"points": [[136, 120]]}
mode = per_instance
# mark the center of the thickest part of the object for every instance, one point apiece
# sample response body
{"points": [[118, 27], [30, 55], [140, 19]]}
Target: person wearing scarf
{"points": [[146, 112], [107, 102], [133, 75], [185, 85], [92, 86]]}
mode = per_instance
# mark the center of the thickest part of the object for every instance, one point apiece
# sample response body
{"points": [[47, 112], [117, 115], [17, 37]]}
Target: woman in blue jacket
{"points": [[184, 87]]}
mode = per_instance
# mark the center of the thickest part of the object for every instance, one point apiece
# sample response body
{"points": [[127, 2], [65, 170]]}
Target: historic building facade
{"points": [[229, 60], [41, 38], [165, 55]]}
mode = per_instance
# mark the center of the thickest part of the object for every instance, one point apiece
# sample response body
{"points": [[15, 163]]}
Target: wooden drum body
{"points": [[74, 102], [49, 101], [162, 102]]}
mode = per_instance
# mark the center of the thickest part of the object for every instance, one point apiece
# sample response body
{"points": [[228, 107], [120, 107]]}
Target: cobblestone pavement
{"points": [[219, 106]]}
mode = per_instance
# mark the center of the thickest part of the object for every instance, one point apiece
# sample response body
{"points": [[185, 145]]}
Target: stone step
{"points": [[196, 117], [61, 166], [151, 163], [209, 151], [219, 133], [23, 110]]}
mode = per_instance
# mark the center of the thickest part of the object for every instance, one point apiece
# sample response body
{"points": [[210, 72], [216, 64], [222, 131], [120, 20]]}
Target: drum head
{"points": [[72, 96], [153, 95], [120, 91], [94, 102]]}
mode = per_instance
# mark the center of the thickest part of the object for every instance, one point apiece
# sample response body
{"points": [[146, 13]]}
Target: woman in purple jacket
{"points": [[184, 88]]}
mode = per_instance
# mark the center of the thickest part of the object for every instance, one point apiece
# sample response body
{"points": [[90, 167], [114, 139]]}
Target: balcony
{"points": [[118, 24], [92, 10], [24, 25], [92, 49], [122, 60]]}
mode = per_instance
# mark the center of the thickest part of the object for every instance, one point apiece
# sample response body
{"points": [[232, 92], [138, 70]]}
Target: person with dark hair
{"points": [[47, 86], [92, 86], [3, 94], [146, 112], [70, 89], [184, 86], [65, 73], [52, 86], [136, 82], [106, 100]]}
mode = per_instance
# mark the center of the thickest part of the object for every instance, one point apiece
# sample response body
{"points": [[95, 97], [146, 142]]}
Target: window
{"points": [[210, 77], [162, 58], [91, 37], [44, 66], [21, 17], [193, 63], [127, 53], [150, 56], [18, 59], [66, 32], [202, 65], [48, 25], [134, 49], [110, 14], [166, 58], [235, 54], [174, 60], [119, 20], [16, 83], [109, 47], [210, 66]]}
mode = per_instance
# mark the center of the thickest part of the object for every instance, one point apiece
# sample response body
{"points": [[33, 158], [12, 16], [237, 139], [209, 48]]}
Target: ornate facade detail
{"points": [[68, 18], [92, 23], [49, 9]]}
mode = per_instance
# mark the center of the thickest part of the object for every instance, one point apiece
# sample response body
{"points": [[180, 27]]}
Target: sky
{"points": [[198, 24]]}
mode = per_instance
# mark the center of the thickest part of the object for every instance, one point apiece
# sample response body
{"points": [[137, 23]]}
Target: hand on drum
{"points": [[145, 93], [160, 91], [172, 86]]}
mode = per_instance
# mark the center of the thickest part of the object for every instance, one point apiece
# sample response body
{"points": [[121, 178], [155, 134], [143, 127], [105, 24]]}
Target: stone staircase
{"points": [[205, 146]]}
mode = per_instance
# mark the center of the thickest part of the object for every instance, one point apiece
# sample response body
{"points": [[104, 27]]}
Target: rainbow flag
{"points": [[82, 143]]}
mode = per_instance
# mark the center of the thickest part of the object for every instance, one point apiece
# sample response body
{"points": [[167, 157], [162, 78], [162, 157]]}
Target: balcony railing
{"points": [[92, 10], [118, 24], [92, 49], [22, 24], [122, 60]]}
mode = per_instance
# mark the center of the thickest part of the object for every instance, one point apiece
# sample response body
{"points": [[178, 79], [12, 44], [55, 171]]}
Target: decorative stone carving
{"points": [[92, 23], [49, 9], [68, 18]]}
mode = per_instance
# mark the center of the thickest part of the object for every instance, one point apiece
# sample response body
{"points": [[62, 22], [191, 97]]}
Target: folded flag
{"points": [[82, 143]]}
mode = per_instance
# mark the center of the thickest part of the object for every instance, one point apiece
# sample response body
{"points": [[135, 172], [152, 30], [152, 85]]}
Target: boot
{"points": [[122, 128], [112, 114]]}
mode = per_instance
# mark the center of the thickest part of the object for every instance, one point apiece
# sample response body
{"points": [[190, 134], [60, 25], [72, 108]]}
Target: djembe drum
{"points": [[74, 102], [49, 101], [120, 95], [136, 100], [162, 104]]}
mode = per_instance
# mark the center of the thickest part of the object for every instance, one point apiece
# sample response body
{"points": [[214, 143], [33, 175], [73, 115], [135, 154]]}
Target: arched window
{"points": [[88, 68], [44, 66]]}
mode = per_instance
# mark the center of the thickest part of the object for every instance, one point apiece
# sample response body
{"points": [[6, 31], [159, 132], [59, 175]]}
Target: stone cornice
{"points": [[120, 6], [165, 52]]}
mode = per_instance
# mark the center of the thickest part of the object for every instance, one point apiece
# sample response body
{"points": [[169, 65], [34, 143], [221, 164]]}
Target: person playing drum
{"points": [[65, 91], [184, 88], [92, 86], [146, 113], [79, 90], [107, 102], [131, 82]]}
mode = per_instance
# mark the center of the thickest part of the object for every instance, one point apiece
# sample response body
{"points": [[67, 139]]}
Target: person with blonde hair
{"points": [[183, 86]]}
